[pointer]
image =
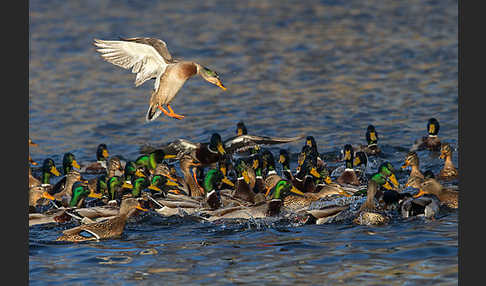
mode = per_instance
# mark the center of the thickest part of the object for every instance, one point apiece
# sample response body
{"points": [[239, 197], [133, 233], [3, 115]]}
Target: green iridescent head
{"points": [[114, 183], [48, 169], [216, 144], [80, 191], [138, 185], [212, 180], [284, 188], [69, 162]]}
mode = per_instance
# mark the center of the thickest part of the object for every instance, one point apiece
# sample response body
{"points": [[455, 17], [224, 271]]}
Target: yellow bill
{"points": [[46, 195], [373, 136], [347, 155], [127, 185], [387, 186], [419, 194], [328, 180], [139, 173], [281, 159], [105, 153], [92, 194], [220, 84], [357, 160], [155, 188], [54, 171], [172, 183], [139, 207], [296, 191], [76, 165], [314, 172], [227, 181], [431, 128], [221, 149], [394, 180]]}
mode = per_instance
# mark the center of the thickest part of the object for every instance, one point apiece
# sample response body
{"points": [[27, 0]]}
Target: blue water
{"points": [[321, 68]]}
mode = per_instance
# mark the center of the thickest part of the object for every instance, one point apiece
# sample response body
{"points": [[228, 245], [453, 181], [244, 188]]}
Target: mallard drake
{"points": [[256, 166], [448, 172], [69, 162], [311, 142], [149, 58], [99, 184], [349, 175], [430, 142], [110, 228], [101, 164], [151, 160], [225, 166], [212, 182], [372, 147], [241, 129], [415, 177], [447, 196], [284, 159], [243, 190], [368, 213], [64, 186], [270, 174], [48, 170]]}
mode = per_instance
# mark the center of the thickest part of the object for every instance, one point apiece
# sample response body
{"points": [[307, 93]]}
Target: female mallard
{"points": [[368, 213], [100, 165], [110, 228], [447, 196], [37, 193], [430, 142], [416, 177], [448, 172], [349, 175], [149, 58]]}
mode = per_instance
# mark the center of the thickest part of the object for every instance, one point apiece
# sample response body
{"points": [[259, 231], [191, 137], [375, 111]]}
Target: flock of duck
{"points": [[232, 179], [239, 179]]}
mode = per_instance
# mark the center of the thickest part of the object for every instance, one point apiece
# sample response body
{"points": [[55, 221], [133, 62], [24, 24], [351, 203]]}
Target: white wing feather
{"points": [[143, 59]]}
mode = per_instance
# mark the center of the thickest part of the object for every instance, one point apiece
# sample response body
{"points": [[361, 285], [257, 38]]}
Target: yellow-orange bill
{"points": [[105, 153], [419, 194], [54, 171], [227, 181], [139, 207], [48, 196], [296, 191], [76, 165], [155, 188], [394, 180], [220, 84]]}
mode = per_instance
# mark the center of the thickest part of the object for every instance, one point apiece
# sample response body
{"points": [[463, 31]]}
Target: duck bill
{"points": [[221, 149], [431, 129], [239, 132], [442, 156], [169, 156], [140, 174], [387, 186], [127, 185], [356, 161], [281, 159], [54, 171], [314, 173], [227, 181], [172, 183], [34, 163], [246, 177], [46, 195], [220, 84], [405, 165], [328, 180], [308, 143], [393, 179], [155, 188], [105, 153], [296, 191], [223, 170], [76, 165], [139, 207], [268, 192], [94, 195], [419, 194], [373, 136], [168, 176], [343, 193], [255, 164]]}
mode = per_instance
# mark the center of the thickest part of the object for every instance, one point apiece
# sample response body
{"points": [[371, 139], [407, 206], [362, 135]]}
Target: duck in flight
{"points": [[149, 58]]}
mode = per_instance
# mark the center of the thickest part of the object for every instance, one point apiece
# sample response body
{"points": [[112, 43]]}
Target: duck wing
{"points": [[139, 54], [244, 142]]}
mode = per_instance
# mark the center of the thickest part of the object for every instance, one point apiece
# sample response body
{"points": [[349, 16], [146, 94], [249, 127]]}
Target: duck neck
{"points": [[415, 171], [46, 178], [448, 162]]}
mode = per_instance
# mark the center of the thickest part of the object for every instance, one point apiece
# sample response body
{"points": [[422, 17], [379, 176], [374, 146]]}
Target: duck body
{"points": [[430, 142], [149, 58], [349, 175], [448, 171], [416, 177], [110, 228]]}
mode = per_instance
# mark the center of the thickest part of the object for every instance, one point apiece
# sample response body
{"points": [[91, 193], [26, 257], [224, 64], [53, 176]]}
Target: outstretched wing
{"points": [[144, 59], [179, 148], [243, 142]]}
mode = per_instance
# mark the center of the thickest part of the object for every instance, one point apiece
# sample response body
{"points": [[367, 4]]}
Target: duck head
{"points": [[411, 159], [48, 169], [360, 159], [216, 144], [387, 170], [283, 189], [212, 180], [433, 127], [371, 135], [241, 129], [80, 191], [210, 76], [348, 156], [284, 159], [69, 162], [445, 150], [102, 153], [129, 206]]}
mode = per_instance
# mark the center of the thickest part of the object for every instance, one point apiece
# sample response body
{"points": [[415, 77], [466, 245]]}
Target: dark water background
{"points": [[321, 68]]}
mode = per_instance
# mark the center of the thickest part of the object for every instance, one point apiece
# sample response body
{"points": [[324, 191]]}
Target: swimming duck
{"points": [[372, 139], [270, 175], [69, 162], [415, 177], [284, 159], [241, 129], [256, 166], [63, 188], [229, 176], [192, 187], [448, 172], [430, 142], [149, 58], [101, 163], [48, 170], [447, 196], [368, 213], [311, 142], [211, 185], [99, 184], [151, 160], [110, 228], [349, 175]]}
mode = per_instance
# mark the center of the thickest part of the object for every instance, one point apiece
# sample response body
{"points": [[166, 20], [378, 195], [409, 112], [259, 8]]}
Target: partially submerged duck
{"points": [[372, 147], [149, 58], [349, 175], [430, 142], [368, 213], [447, 196], [101, 164]]}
